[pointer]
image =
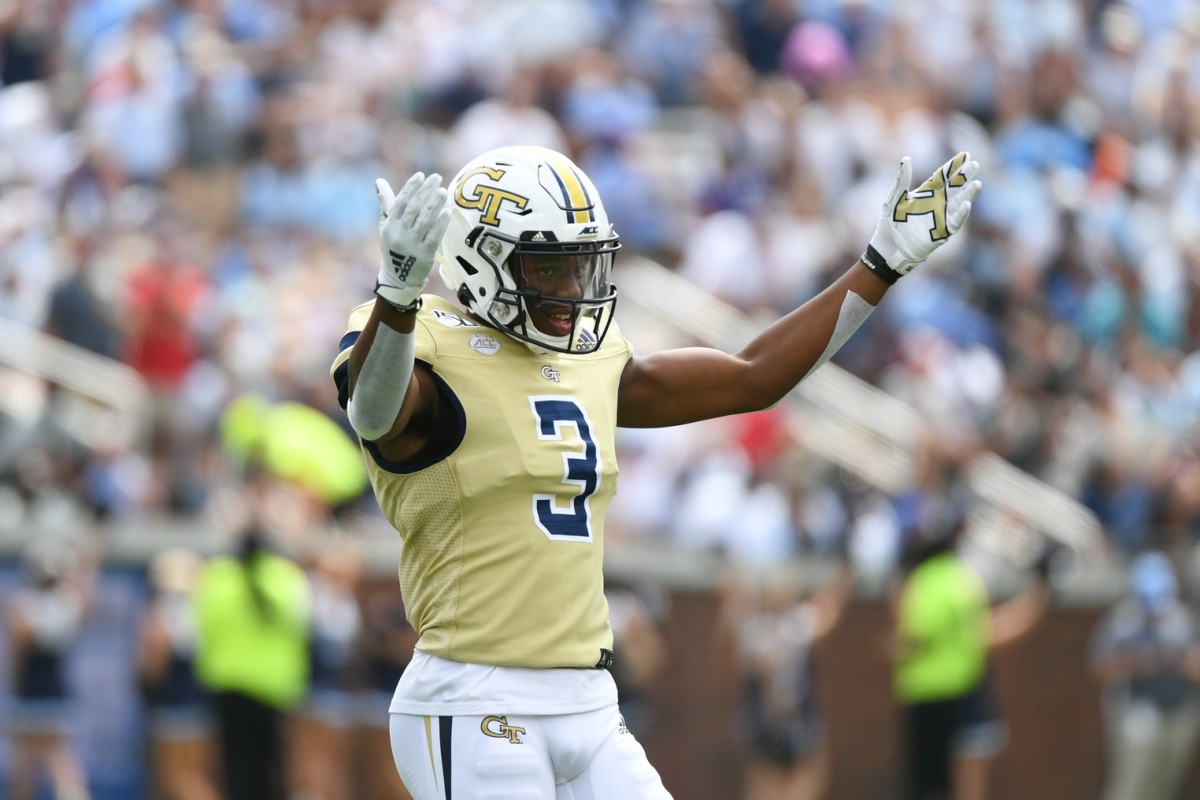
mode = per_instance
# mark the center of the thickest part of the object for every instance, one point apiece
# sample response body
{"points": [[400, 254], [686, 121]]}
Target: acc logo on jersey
{"points": [[487, 200], [487, 345], [550, 373], [453, 320], [498, 728]]}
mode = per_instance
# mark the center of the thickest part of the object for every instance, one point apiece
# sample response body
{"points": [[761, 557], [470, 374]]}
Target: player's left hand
{"points": [[410, 229], [916, 223]]}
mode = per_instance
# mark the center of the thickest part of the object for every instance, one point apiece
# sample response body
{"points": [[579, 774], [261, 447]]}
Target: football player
{"points": [[488, 427]]}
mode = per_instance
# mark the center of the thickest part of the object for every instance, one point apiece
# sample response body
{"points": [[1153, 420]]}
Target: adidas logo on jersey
{"points": [[586, 340]]}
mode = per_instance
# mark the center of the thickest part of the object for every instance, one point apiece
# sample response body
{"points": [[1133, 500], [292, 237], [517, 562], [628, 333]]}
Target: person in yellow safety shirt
{"points": [[253, 613], [943, 630], [946, 629]]}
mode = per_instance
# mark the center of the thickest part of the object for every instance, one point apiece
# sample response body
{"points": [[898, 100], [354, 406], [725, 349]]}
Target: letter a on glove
{"points": [[916, 223]]}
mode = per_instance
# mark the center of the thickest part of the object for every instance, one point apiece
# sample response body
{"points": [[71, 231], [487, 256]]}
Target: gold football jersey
{"points": [[503, 530]]}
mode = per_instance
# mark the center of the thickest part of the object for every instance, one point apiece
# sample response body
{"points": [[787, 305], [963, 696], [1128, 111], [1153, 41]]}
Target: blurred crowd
{"points": [[186, 187]]}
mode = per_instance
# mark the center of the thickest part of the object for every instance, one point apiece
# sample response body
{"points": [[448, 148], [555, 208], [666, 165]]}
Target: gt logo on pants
{"points": [[498, 728]]}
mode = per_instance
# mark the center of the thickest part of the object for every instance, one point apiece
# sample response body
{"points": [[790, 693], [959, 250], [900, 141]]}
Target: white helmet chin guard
{"points": [[513, 203]]}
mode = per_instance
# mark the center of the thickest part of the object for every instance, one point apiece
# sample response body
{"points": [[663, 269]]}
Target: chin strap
{"points": [[853, 312], [382, 383]]}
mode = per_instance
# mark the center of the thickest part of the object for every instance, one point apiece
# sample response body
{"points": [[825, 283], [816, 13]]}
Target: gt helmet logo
{"points": [[487, 200]]}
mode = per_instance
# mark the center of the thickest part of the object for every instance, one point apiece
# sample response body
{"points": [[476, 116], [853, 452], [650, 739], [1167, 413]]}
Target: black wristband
{"points": [[415, 305], [878, 264]]}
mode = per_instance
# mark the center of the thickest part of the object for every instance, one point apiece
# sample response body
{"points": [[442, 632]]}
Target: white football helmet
{"points": [[520, 203]]}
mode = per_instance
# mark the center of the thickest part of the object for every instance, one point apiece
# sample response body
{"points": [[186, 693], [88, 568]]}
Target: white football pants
{"points": [[585, 756]]}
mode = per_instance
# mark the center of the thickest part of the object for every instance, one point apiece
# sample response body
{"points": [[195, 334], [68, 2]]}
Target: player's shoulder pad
{"points": [[437, 320]]}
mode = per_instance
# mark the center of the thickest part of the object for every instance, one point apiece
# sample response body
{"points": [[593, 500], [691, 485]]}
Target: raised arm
{"points": [[387, 392], [689, 384]]}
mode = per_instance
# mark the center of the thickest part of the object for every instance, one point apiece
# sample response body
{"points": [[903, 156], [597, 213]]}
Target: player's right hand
{"points": [[411, 225], [915, 223]]}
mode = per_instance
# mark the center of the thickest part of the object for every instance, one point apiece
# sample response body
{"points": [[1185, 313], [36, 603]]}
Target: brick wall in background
{"points": [[1045, 694]]}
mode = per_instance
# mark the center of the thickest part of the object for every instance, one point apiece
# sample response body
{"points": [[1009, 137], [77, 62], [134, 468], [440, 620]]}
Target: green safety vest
{"points": [[944, 611], [241, 650]]}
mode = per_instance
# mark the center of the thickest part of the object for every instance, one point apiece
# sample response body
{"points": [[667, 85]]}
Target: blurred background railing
{"points": [[99, 402], [847, 422]]}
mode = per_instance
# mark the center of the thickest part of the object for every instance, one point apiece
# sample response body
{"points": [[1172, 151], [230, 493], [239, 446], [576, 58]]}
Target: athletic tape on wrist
{"points": [[878, 264], [415, 305]]}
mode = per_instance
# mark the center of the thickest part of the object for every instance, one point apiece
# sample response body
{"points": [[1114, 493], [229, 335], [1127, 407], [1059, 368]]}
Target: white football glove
{"points": [[914, 224], [411, 225]]}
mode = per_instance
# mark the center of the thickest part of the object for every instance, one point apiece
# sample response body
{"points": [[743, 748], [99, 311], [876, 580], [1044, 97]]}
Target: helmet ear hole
{"points": [[467, 266]]}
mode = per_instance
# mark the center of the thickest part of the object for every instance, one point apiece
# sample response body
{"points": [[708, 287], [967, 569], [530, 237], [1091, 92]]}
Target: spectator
{"points": [[665, 44], [164, 294], [1146, 653], [386, 648], [180, 726], [512, 115], [26, 42], [253, 611], [133, 101], [945, 631], [77, 314], [770, 631], [637, 613], [321, 746], [45, 619]]}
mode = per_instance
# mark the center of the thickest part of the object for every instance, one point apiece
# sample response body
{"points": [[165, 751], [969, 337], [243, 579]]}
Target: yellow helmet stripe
{"points": [[578, 203]]}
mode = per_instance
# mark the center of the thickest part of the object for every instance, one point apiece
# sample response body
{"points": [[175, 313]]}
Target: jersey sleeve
{"points": [[340, 370]]}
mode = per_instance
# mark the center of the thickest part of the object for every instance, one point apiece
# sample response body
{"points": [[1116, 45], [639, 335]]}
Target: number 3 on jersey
{"points": [[581, 470]]}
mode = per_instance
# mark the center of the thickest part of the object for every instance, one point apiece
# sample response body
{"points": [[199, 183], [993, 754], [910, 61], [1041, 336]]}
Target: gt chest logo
{"points": [[550, 373], [498, 728]]}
